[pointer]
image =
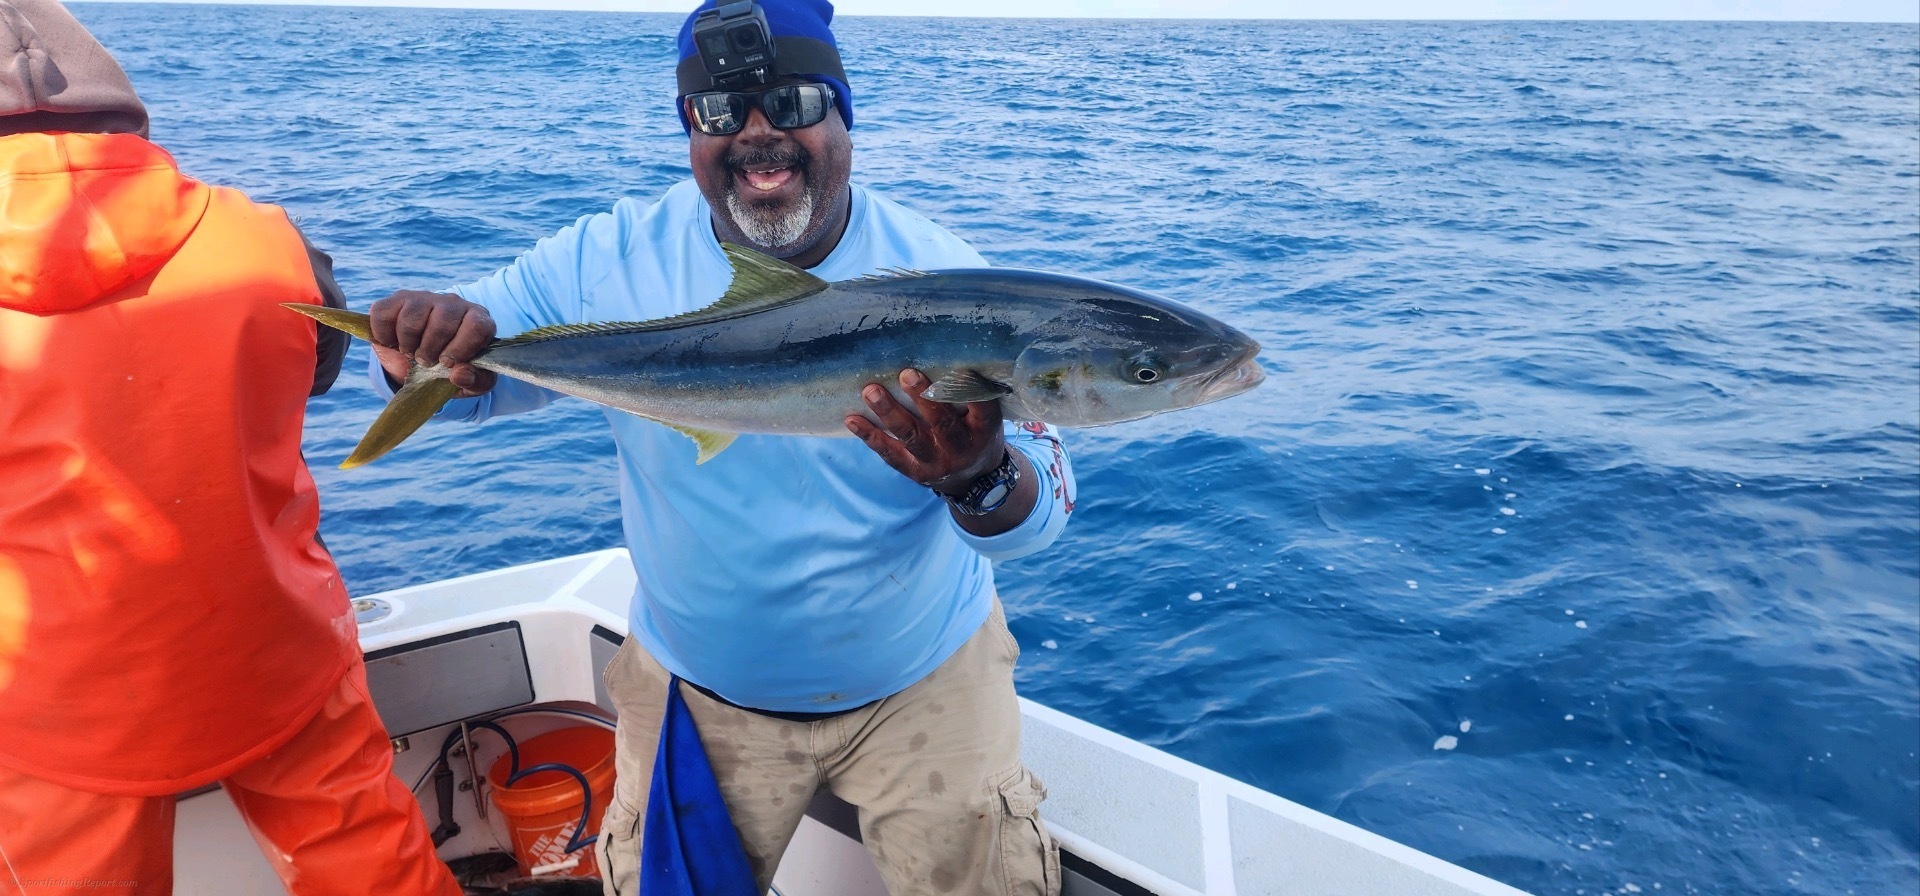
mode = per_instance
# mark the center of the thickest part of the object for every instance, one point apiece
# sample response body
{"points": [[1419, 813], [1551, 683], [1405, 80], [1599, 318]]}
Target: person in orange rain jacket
{"points": [[168, 616]]}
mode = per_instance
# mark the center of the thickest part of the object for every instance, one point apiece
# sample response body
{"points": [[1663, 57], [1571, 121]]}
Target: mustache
{"points": [[785, 157]]}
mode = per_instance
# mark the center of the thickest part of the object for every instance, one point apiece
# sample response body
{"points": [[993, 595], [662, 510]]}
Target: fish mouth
{"points": [[1240, 376]]}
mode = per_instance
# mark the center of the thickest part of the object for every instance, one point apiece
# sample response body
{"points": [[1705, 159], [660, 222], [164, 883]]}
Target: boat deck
{"points": [[525, 646]]}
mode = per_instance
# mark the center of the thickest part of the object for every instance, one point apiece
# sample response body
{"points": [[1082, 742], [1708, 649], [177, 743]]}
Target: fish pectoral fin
{"points": [[711, 442], [965, 387]]}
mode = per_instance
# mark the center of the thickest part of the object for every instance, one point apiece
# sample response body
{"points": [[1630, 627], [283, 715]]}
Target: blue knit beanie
{"points": [[803, 47]]}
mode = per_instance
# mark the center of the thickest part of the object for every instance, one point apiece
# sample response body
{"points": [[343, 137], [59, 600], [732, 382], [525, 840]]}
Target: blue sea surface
{"points": [[1575, 536]]}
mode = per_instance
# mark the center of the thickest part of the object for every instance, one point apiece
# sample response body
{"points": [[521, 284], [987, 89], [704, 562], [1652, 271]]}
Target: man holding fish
{"points": [[833, 620], [824, 607]]}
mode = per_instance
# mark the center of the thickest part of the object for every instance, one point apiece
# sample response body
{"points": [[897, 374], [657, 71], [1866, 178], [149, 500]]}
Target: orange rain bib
{"points": [[166, 614]]}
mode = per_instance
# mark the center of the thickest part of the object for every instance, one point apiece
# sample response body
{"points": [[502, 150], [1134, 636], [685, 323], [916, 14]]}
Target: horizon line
{"points": [[675, 7]]}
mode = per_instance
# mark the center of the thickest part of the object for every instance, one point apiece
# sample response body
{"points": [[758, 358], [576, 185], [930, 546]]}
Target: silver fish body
{"points": [[1062, 347]]}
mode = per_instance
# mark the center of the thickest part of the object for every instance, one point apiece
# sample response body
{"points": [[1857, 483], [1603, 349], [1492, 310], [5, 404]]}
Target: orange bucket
{"points": [[542, 810]]}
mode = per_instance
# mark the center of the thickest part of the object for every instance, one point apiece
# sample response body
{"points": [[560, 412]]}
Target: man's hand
{"points": [[942, 446], [429, 328]]}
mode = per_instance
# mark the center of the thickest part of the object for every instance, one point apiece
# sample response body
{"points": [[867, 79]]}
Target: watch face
{"points": [[989, 491]]}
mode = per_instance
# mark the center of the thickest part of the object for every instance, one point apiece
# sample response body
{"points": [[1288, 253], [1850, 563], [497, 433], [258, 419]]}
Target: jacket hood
{"points": [[84, 215], [55, 77]]}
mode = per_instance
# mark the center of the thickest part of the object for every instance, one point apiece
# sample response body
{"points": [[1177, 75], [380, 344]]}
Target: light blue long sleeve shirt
{"points": [[796, 574]]}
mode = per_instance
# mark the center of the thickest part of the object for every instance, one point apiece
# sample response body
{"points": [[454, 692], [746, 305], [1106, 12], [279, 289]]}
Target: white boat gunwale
{"points": [[1155, 823]]}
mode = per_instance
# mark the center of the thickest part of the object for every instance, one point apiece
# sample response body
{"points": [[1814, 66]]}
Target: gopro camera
{"points": [[734, 42]]}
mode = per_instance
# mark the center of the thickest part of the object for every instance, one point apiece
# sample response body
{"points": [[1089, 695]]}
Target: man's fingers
{"points": [[471, 380], [957, 424], [937, 443], [395, 364], [409, 325], [455, 333], [896, 420], [985, 417], [432, 328], [476, 333], [442, 323], [381, 320], [913, 382], [877, 439], [900, 423]]}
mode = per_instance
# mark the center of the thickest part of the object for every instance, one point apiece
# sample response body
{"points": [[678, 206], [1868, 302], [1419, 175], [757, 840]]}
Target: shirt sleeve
{"points": [[331, 345], [541, 288], [1041, 444]]}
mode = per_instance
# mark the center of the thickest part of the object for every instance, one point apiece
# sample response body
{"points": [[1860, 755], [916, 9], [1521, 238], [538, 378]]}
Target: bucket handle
{"points": [[574, 843], [515, 773]]}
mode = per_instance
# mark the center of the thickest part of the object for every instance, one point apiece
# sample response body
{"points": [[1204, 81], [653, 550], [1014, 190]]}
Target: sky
{"points": [[1789, 10]]}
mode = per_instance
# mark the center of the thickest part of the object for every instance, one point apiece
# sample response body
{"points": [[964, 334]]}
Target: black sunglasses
{"points": [[720, 112]]}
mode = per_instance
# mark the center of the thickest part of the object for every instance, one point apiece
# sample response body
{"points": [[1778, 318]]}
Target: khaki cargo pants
{"points": [[945, 805]]}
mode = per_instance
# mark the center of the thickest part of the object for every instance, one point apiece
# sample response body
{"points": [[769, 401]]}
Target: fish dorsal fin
{"points": [[965, 387], [759, 282], [557, 331], [886, 274]]}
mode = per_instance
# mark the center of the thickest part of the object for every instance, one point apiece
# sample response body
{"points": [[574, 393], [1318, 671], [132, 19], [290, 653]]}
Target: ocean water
{"points": [[1576, 535]]}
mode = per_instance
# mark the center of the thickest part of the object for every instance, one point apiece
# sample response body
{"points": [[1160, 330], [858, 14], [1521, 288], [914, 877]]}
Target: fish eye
{"points": [[1146, 374]]}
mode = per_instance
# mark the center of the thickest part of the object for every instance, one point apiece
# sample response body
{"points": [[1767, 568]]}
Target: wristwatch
{"points": [[988, 491]]}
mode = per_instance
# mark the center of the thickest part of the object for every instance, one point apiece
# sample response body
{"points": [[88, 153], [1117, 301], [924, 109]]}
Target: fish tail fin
{"points": [[427, 390], [352, 322]]}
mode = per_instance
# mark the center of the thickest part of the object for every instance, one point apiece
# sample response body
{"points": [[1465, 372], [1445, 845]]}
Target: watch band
{"points": [[989, 491]]}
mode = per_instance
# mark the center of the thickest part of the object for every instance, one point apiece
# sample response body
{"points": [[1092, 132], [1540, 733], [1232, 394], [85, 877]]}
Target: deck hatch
{"points": [[602, 644], [426, 684], [1080, 877]]}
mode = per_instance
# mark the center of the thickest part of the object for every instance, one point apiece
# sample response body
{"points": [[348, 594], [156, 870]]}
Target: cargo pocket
{"points": [[611, 674], [618, 852], [1029, 862], [997, 620]]}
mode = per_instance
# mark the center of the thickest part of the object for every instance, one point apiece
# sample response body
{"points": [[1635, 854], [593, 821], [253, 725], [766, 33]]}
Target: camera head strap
{"points": [[743, 45]]}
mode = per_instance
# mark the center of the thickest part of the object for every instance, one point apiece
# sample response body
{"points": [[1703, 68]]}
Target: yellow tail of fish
{"points": [[426, 391]]}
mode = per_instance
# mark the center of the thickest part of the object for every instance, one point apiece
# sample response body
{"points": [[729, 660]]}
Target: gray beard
{"points": [[766, 227]]}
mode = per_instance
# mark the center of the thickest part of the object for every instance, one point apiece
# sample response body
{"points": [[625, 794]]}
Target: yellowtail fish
{"points": [[786, 352]]}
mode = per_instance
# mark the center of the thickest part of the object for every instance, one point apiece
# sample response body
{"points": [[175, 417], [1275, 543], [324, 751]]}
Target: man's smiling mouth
{"points": [[767, 178]]}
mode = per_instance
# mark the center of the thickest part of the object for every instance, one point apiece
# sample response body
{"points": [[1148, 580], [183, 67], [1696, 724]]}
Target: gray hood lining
{"points": [[55, 76]]}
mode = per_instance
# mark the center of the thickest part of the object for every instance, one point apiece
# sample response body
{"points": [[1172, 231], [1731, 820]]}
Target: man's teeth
{"points": [[768, 179]]}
